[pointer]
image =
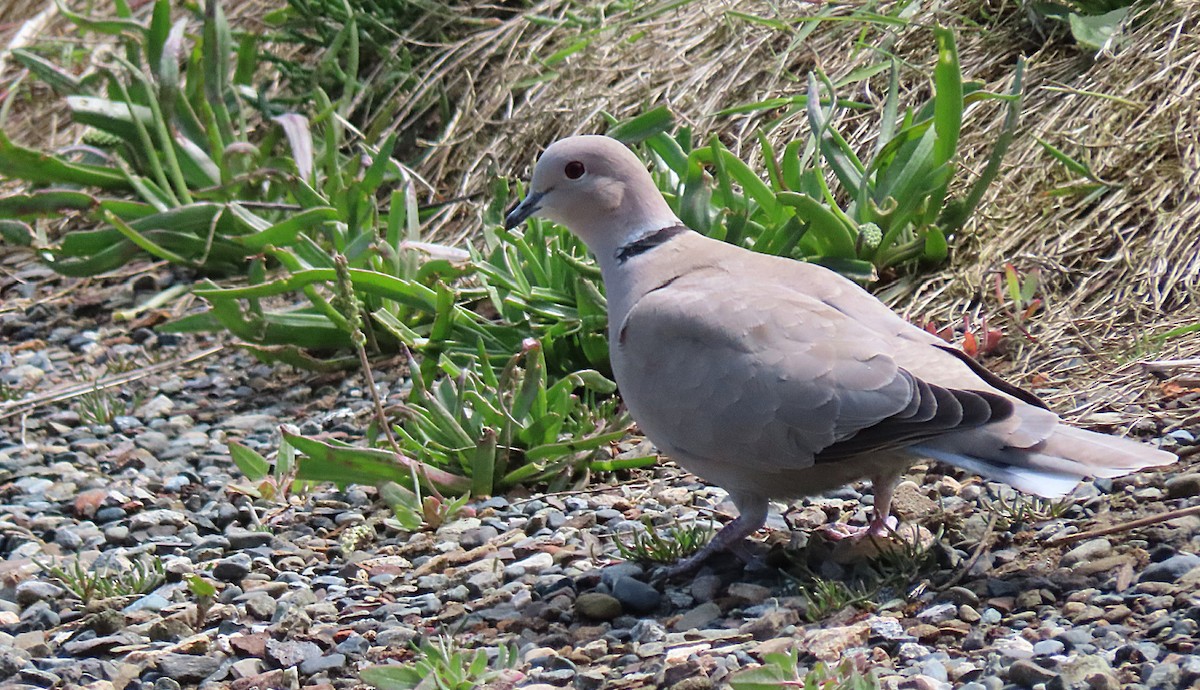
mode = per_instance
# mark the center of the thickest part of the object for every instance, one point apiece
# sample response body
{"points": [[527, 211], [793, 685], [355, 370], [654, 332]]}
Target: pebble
{"points": [[1087, 551], [635, 596], [233, 568], [1028, 674], [32, 591], [598, 606], [698, 617], [1170, 570], [189, 668]]}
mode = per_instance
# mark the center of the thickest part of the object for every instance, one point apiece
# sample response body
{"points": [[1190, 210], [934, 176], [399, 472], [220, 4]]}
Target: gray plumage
{"points": [[774, 378]]}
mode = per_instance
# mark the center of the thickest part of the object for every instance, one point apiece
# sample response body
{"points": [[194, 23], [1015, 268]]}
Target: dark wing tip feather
{"points": [[939, 411]]}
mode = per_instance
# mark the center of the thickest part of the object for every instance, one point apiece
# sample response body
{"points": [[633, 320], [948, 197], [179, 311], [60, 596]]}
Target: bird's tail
{"points": [[1051, 468]]}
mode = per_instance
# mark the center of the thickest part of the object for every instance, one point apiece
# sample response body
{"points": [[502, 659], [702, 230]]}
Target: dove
{"points": [[778, 379]]}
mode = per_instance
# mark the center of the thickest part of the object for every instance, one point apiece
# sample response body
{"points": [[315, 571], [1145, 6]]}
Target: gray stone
{"points": [[293, 653], [39, 616], [395, 638], [477, 536], [1171, 569], [610, 574], [1081, 673], [939, 613], [962, 595], [260, 605], [636, 596], [232, 569], [189, 668], [251, 422], [157, 518], [1165, 676], [323, 663], [150, 602], [31, 591], [354, 645], [705, 587], [752, 593], [1048, 648], [1184, 485], [698, 617], [1027, 674], [241, 539], [1089, 550], [888, 628], [12, 660]]}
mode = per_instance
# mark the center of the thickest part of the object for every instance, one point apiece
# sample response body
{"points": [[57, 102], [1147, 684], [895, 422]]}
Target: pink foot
{"points": [[879, 528]]}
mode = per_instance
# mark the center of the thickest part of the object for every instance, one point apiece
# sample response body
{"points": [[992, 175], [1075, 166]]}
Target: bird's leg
{"points": [[883, 523], [752, 514]]}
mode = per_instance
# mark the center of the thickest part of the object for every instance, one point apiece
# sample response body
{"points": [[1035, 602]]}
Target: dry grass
{"points": [[1115, 270]]}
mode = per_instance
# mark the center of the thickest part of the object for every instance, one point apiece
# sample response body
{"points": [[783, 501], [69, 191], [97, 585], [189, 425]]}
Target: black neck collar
{"points": [[649, 242]]}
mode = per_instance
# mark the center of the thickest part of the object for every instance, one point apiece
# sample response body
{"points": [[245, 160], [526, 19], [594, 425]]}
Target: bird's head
{"points": [[596, 187]]}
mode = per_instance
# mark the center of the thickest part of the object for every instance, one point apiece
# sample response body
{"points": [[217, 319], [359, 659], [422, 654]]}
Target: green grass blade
{"points": [[948, 97]]}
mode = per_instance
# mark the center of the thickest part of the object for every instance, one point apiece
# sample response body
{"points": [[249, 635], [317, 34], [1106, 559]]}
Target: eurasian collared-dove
{"points": [[776, 378]]}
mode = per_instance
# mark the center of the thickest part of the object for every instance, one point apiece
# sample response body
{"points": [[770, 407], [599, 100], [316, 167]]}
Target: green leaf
{"points": [[936, 247], [344, 464], [284, 232], [253, 465], [1092, 32], [44, 168], [643, 126], [832, 236], [57, 78], [483, 464], [392, 677], [16, 233], [48, 202], [948, 97], [200, 587]]}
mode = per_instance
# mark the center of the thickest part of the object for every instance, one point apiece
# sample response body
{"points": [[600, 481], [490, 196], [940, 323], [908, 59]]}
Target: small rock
{"points": [[232, 569], [1184, 485], [635, 596], [150, 602], [241, 539], [293, 653], [1048, 648], [323, 663], [1171, 569], [354, 645], [535, 563], [597, 606], [962, 595], [939, 613], [32, 591], [754, 594], [189, 668], [1087, 551], [1027, 674], [827, 644], [12, 660], [705, 587], [888, 628], [261, 606], [698, 617]]}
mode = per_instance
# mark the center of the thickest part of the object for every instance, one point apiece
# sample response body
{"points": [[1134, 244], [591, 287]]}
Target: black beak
{"points": [[523, 210]]}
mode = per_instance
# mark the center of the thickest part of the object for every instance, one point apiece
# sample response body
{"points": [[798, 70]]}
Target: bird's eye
{"points": [[574, 170]]}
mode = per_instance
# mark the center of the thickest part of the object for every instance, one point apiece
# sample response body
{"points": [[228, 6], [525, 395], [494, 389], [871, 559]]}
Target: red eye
{"points": [[574, 170]]}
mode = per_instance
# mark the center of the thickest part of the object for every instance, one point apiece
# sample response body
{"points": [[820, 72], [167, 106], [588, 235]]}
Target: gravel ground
{"points": [[315, 587]]}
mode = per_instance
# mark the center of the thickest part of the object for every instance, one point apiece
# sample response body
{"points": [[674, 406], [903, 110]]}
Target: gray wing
{"points": [[773, 378]]}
